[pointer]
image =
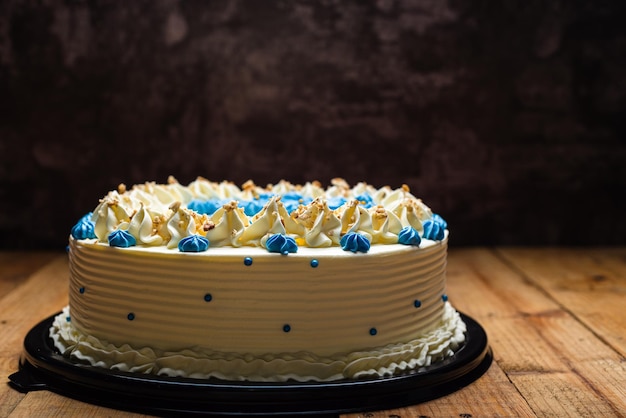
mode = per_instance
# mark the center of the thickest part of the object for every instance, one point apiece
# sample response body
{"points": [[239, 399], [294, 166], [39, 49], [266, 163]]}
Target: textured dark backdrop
{"points": [[505, 116]]}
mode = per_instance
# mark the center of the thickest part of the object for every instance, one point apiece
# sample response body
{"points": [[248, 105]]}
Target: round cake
{"points": [[258, 283]]}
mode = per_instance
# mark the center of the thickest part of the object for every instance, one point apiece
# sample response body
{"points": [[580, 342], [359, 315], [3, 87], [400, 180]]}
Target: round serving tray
{"points": [[43, 368]]}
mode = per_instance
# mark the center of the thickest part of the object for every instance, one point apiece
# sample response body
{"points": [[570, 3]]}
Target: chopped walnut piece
{"points": [[232, 205], [208, 225], [339, 182], [157, 221], [171, 180], [379, 212], [248, 185]]}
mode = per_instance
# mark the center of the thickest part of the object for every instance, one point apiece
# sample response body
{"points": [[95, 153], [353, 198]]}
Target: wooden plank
{"points": [[536, 342], [493, 395], [51, 405], [15, 267], [589, 283], [31, 300]]}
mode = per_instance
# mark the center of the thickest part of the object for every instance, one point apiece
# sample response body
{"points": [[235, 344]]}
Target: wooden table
{"points": [[555, 319]]}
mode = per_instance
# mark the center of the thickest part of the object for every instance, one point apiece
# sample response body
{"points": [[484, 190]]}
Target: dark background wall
{"points": [[505, 117]]}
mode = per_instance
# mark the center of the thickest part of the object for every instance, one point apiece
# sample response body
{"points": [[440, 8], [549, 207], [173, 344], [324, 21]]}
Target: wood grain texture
{"points": [[552, 316], [36, 287], [544, 345]]}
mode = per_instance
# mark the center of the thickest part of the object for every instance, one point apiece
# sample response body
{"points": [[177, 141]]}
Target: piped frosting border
{"points": [[202, 363], [222, 214]]}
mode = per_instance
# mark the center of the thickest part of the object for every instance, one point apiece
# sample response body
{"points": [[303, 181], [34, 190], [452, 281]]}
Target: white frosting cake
{"points": [[263, 284]]}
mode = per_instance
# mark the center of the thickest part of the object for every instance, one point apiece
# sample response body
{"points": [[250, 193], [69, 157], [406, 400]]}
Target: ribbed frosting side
{"points": [[324, 301]]}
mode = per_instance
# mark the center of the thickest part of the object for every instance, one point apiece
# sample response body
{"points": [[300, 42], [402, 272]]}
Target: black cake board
{"points": [[42, 367]]}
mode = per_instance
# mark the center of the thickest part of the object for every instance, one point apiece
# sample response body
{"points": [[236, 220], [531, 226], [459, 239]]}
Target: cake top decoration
{"points": [[226, 215]]}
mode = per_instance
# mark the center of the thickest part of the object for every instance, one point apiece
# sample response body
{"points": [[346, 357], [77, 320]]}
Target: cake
{"points": [[276, 283]]}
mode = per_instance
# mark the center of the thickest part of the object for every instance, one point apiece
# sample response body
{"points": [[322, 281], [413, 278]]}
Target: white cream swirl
{"points": [[145, 228], [181, 225], [265, 223], [386, 226], [145, 211], [227, 225], [108, 216], [322, 227], [356, 218]]}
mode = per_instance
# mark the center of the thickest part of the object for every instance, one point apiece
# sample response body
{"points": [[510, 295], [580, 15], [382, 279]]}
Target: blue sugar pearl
{"points": [[373, 331], [247, 261], [417, 303], [68, 319], [444, 298], [81, 290], [314, 263], [208, 297], [131, 316], [286, 328]]}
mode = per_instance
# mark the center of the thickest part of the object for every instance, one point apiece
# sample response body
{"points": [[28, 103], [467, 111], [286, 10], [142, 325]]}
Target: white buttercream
{"points": [[313, 224], [227, 225], [264, 223], [143, 227], [181, 225], [322, 227]]}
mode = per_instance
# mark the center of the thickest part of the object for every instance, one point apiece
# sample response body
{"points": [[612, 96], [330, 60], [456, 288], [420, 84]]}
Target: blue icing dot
{"points": [[207, 207], [365, 200], [314, 263], [440, 221], [292, 196], [280, 243], [252, 207], [197, 206], [444, 298], [354, 242], [247, 261], [121, 238], [373, 331], [335, 202], [208, 297], [292, 200], [417, 303], [130, 316], [84, 228], [286, 328], [193, 244], [290, 205], [433, 231], [409, 236], [68, 319]]}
